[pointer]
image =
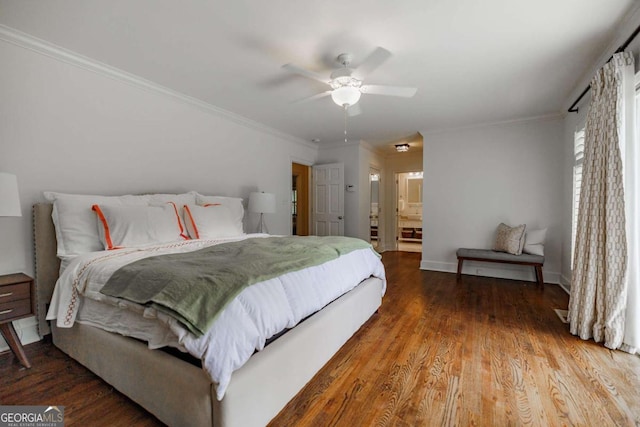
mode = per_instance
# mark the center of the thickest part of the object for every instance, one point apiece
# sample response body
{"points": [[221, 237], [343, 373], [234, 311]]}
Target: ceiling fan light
{"points": [[346, 96], [402, 148]]}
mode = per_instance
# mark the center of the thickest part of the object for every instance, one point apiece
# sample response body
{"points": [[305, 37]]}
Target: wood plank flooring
{"points": [[484, 352]]}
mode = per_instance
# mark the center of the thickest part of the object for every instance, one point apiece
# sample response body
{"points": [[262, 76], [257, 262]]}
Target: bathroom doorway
{"points": [[375, 235], [409, 211]]}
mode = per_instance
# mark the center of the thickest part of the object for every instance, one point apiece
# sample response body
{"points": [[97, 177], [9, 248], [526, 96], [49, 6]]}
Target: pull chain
{"points": [[345, 123]]}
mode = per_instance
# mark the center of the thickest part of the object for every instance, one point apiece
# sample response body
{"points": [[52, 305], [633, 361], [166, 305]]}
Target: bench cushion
{"points": [[488, 254]]}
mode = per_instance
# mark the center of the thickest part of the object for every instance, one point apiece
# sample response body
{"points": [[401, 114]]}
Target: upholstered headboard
{"points": [[46, 262]]}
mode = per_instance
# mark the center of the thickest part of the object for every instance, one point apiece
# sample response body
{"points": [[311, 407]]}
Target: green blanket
{"points": [[194, 287]]}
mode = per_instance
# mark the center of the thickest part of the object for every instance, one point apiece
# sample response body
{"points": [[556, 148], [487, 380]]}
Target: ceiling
{"points": [[472, 61]]}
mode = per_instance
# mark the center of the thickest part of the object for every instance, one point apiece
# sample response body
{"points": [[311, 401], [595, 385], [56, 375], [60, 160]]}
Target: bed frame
{"points": [[181, 394]]}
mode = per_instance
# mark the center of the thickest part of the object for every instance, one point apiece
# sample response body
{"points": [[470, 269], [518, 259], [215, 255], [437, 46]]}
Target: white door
{"points": [[328, 200]]}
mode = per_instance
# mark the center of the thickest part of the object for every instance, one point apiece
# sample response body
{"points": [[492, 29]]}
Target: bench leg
{"points": [[459, 274], [539, 277]]}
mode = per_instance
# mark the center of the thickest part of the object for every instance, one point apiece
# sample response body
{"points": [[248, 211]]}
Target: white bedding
{"points": [[258, 313]]}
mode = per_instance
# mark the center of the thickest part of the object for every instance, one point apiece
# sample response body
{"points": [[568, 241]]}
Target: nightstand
{"points": [[17, 300]]}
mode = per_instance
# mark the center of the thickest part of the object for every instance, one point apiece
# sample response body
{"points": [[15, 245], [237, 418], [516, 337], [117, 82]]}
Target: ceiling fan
{"points": [[347, 83]]}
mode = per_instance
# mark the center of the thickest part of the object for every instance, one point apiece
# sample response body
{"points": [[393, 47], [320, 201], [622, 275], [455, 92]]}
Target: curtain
{"points": [[599, 286]]}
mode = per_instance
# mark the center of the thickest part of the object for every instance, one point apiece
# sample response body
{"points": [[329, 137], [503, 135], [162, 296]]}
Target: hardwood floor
{"points": [[486, 352]]}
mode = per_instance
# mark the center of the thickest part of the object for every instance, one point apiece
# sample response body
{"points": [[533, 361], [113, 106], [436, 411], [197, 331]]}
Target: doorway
{"points": [[409, 211], [375, 236], [300, 199]]}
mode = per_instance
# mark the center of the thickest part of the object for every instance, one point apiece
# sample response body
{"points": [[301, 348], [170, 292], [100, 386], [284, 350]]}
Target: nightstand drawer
{"points": [[15, 292], [15, 309], [17, 301]]}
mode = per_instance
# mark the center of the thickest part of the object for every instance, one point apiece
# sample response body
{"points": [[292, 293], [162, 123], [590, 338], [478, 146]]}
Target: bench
{"points": [[487, 255]]}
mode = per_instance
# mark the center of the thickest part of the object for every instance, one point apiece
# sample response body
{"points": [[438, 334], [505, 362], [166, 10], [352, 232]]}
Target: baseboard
{"points": [[27, 330], [485, 269], [565, 283], [445, 267]]}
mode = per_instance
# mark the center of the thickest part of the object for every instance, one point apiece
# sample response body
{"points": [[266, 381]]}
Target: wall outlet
{"points": [[478, 271]]}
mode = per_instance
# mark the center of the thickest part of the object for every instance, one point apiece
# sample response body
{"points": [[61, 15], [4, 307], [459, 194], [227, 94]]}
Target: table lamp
{"points": [[262, 203]]}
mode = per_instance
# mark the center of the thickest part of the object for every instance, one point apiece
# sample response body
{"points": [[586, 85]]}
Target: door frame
{"points": [[396, 197], [373, 169], [304, 171]]}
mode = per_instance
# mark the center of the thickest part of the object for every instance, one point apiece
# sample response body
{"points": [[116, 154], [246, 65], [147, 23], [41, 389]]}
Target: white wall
{"points": [[70, 129], [475, 178]]}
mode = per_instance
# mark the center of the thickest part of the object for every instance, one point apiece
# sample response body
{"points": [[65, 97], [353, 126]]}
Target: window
{"points": [[578, 155]]}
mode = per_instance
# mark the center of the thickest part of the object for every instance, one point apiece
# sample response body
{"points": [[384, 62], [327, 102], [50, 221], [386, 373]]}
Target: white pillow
{"points": [[131, 226], [178, 199], [76, 225], [234, 204], [534, 242], [210, 222]]}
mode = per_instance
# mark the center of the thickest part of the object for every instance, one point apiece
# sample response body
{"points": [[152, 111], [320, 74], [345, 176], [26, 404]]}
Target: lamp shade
{"points": [[262, 202], [9, 199], [346, 95]]}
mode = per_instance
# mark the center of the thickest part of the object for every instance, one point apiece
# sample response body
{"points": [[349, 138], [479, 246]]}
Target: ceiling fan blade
{"points": [[371, 62], [312, 98], [354, 110], [305, 73], [403, 91]]}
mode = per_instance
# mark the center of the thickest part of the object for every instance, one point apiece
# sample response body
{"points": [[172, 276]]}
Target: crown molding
{"points": [[413, 152], [543, 118], [338, 144], [29, 42], [373, 149]]}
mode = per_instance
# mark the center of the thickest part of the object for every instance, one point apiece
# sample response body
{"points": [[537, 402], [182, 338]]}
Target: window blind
{"points": [[578, 152]]}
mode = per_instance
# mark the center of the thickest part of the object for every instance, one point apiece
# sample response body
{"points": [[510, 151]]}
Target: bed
{"points": [[180, 393]]}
